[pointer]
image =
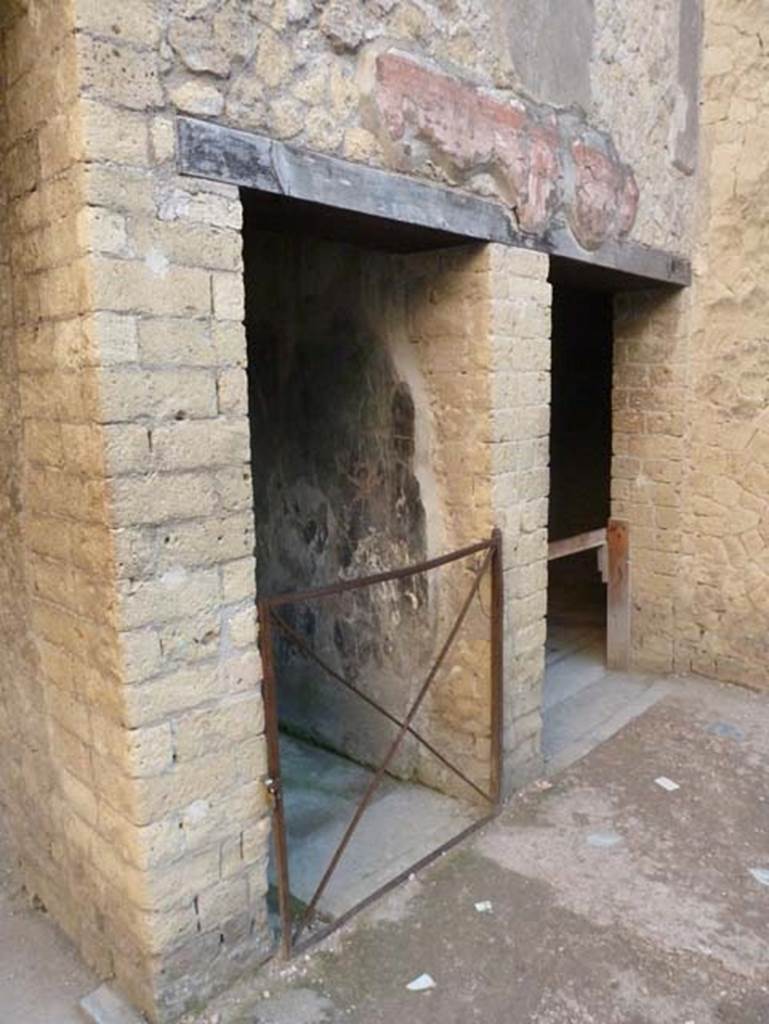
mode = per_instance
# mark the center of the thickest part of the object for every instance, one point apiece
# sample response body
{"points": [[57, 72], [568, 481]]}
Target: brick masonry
{"points": [[137, 524], [481, 327], [61, 660], [132, 716]]}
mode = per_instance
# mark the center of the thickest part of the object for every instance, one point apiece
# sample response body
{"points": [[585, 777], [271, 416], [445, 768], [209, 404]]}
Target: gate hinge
{"points": [[273, 790]]}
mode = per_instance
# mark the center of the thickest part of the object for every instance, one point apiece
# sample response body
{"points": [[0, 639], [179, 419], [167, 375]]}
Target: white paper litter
{"points": [[665, 783], [421, 984], [483, 906], [761, 875], [604, 840]]}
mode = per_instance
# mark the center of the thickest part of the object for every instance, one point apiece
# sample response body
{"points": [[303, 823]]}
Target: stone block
{"points": [[238, 580], [231, 722], [176, 593], [137, 22], [205, 443], [186, 243], [228, 296], [189, 687], [141, 654], [122, 75], [211, 541], [130, 393], [126, 286], [198, 97], [232, 392], [171, 342], [159, 499], [114, 135], [107, 1006]]}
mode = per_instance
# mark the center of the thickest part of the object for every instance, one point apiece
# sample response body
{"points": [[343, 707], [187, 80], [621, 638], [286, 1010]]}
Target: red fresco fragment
{"points": [[521, 147]]}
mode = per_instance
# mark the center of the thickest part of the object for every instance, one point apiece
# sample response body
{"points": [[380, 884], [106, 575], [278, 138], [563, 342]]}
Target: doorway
{"points": [[579, 693], [339, 495], [580, 470]]}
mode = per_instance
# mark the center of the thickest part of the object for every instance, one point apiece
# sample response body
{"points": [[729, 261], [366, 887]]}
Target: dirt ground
{"points": [[613, 900]]}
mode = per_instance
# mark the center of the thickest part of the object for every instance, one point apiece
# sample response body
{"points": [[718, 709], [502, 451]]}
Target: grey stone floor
{"points": [[613, 901], [42, 978], [583, 703], [403, 823]]}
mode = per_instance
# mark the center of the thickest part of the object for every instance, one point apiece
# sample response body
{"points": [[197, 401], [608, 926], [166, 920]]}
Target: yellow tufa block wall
{"points": [[479, 323], [68, 761], [721, 623], [691, 464], [166, 278], [59, 626], [131, 703]]}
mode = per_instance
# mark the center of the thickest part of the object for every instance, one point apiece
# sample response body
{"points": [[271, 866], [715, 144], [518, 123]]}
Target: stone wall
{"points": [[129, 614], [514, 100], [129, 530], [721, 624], [480, 323], [26, 778], [520, 374], [166, 279], [64, 748], [336, 495], [444, 355], [690, 467], [650, 420]]}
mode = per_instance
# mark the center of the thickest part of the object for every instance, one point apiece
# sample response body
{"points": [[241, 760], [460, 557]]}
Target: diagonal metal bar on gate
{"points": [[373, 785], [305, 648]]}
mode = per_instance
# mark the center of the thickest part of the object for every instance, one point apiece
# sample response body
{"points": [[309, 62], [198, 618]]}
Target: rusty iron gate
{"points": [[270, 621]]}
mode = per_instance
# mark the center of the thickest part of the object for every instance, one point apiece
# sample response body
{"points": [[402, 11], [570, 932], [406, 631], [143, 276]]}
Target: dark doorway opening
{"points": [[580, 481]]}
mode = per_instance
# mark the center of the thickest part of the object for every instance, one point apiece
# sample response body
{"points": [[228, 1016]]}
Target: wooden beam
{"points": [[573, 545], [618, 595], [218, 153]]}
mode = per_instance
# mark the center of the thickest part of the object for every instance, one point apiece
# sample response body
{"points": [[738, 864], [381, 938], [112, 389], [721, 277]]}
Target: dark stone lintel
{"points": [[430, 216]]}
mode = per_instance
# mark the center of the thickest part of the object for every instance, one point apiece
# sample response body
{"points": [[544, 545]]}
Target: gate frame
{"points": [[268, 619]]}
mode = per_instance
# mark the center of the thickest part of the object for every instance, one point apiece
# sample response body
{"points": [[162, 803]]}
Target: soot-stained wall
{"points": [[335, 491]]}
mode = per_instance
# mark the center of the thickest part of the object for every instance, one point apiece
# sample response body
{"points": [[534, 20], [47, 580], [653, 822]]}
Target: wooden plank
{"points": [[618, 595], [218, 153], [573, 545]]}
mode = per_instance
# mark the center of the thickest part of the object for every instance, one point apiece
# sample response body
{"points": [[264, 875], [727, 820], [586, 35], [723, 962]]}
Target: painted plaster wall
{"points": [[581, 122]]}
